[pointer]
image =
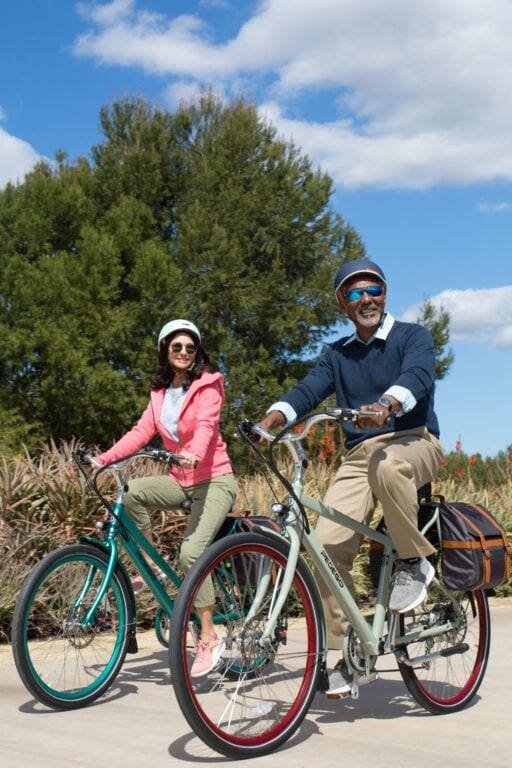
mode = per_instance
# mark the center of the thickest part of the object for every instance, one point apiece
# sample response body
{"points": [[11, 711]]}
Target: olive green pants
{"points": [[388, 468], [211, 502]]}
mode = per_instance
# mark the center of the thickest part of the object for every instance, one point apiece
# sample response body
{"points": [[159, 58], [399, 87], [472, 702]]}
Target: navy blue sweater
{"points": [[358, 374]]}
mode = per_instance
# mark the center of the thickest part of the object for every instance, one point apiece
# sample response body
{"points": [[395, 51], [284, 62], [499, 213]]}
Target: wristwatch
{"points": [[386, 402]]}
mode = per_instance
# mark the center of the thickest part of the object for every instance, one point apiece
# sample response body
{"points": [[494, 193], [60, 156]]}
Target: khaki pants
{"points": [[389, 468], [211, 502]]}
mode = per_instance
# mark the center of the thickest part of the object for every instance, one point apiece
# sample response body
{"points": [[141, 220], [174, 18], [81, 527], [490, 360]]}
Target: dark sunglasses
{"points": [[356, 294], [190, 349]]}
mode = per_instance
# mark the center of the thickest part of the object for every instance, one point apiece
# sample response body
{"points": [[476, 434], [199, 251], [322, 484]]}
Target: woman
{"points": [[187, 394]]}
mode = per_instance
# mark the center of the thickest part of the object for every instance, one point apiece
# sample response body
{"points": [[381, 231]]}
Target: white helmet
{"points": [[178, 325]]}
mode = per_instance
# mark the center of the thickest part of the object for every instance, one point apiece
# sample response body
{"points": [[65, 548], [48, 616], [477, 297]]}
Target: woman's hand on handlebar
{"points": [[188, 460]]}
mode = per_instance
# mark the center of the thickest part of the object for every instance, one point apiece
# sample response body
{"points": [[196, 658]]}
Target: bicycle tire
{"points": [[162, 626], [62, 663], [260, 691], [448, 683]]}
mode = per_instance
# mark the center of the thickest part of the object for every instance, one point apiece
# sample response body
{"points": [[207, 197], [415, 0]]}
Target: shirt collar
{"points": [[382, 331]]}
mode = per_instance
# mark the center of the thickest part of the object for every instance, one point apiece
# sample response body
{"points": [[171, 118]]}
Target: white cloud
{"points": [[479, 316], [179, 91], [108, 14], [17, 157], [495, 207], [422, 89], [504, 337]]}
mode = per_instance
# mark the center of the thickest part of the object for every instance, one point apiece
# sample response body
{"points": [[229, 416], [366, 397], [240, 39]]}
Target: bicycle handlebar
{"points": [[329, 414], [82, 456], [248, 429]]}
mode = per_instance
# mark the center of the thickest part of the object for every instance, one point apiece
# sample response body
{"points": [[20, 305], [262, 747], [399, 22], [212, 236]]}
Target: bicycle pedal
{"points": [[346, 695]]}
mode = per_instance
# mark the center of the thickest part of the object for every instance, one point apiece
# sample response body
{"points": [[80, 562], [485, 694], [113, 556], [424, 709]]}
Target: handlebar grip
{"points": [[82, 456], [251, 431], [161, 454], [246, 427]]}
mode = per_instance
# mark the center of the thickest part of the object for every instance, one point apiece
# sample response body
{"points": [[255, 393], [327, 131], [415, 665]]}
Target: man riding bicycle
{"points": [[386, 367]]}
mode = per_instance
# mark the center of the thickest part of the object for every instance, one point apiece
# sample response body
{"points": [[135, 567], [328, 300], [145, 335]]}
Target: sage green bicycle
{"points": [[75, 618], [275, 650]]}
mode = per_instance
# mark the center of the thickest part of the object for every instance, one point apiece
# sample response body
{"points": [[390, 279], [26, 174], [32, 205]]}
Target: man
{"points": [[386, 367]]}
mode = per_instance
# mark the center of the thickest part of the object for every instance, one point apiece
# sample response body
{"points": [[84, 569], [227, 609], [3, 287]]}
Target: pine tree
{"points": [[204, 213], [438, 323]]}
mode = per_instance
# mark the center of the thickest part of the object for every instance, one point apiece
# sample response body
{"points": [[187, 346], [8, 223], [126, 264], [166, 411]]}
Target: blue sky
{"points": [[405, 104]]}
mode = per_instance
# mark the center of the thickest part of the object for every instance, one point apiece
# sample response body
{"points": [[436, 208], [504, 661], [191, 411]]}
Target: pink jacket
{"points": [[198, 431]]}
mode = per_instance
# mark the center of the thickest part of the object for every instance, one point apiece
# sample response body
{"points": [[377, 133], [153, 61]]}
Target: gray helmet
{"points": [[178, 325]]}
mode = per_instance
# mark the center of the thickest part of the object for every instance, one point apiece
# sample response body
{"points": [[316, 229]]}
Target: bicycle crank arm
{"points": [[459, 648]]}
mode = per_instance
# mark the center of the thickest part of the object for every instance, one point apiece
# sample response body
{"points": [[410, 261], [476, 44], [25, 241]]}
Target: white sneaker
{"points": [[410, 581], [341, 680]]}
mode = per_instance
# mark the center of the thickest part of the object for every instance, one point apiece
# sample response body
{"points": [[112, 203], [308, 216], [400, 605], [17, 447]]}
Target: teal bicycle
{"points": [[75, 618]]}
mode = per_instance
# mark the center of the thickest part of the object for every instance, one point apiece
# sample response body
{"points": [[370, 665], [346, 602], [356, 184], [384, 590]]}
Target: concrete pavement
{"points": [[138, 723]]}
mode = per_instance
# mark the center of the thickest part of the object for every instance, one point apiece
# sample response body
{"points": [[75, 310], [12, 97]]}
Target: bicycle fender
{"points": [[95, 543], [261, 524]]}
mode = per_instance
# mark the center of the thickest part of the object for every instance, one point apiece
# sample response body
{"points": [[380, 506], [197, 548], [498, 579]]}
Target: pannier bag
{"points": [[476, 552]]}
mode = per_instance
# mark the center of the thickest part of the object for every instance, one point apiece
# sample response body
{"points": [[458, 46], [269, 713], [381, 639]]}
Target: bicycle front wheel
{"points": [[444, 671], [62, 661], [260, 690]]}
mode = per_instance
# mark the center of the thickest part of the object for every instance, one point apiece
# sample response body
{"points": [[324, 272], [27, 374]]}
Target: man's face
{"points": [[364, 310]]}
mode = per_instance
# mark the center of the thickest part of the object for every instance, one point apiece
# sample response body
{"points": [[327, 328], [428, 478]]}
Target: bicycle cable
{"points": [[269, 461]]}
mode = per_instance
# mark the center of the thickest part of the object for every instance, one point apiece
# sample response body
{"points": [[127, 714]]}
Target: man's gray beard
{"points": [[369, 320]]}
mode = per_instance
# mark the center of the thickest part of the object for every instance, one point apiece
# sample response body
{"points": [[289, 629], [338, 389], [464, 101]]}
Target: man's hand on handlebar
{"points": [[271, 421], [379, 416]]}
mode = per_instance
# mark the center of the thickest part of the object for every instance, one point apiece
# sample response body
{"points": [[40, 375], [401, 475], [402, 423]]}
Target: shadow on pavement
{"points": [[151, 668]]}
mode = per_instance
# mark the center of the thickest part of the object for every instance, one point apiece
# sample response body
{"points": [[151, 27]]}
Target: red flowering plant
{"points": [[325, 443]]}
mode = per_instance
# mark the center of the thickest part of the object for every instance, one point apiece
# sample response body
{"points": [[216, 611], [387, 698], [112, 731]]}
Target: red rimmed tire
{"points": [[450, 666], [260, 690]]}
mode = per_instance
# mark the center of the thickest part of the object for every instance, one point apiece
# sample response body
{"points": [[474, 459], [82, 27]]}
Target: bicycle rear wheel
{"points": [[162, 626], [262, 687], [62, 662], [456, 660]]}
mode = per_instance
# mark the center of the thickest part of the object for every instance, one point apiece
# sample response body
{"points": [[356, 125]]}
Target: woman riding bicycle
{"points": [[187, 394]]}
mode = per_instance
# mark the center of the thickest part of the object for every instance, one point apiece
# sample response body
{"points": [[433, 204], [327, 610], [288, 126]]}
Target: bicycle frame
{"points": [[124, 534], [372, 637], [122, 530]]}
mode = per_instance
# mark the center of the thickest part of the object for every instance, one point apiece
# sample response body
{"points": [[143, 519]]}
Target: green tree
{"points": [[438, 323], [204, 213]]}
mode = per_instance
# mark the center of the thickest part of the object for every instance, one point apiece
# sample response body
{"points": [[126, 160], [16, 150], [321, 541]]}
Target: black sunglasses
{"points": [[177, 346], [356, 294]]}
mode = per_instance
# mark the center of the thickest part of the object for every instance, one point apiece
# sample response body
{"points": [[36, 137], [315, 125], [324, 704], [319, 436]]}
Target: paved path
{"points": [[139, 723]]}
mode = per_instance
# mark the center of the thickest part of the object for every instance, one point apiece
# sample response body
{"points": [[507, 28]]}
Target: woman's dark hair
{"points": [[164, 374]]}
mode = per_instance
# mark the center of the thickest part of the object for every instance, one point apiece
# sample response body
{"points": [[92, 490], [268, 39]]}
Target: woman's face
{"points": [[182, 351]]}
